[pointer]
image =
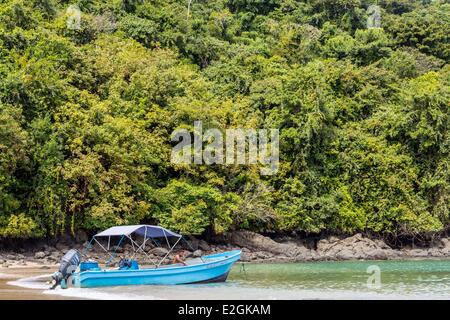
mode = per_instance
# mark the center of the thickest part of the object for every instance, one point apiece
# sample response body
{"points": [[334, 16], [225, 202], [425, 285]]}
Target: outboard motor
{"points": [[69, 264]]}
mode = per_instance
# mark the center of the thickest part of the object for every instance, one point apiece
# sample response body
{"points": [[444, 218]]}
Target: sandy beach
{"points": [[13, 292]]}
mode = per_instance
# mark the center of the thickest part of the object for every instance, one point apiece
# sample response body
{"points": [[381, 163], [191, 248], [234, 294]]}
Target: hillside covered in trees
{"points": [[86, 115]]}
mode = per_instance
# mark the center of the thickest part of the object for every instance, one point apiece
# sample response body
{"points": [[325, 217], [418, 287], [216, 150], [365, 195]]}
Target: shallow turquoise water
{"points": [[424, 279]]}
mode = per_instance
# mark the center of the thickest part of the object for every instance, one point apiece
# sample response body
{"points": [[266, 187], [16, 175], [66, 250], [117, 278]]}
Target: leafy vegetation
{"points": [[86, 115]]}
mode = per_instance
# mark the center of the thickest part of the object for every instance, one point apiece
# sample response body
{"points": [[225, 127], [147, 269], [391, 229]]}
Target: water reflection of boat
{"points": [[85, 274]]}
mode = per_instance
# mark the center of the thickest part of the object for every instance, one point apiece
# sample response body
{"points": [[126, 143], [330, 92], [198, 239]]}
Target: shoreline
{"points": [[255, 248], [259, 248]]}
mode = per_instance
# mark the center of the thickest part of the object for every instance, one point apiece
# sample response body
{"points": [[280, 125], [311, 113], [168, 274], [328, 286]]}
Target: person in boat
{"points": [[179, 258]]}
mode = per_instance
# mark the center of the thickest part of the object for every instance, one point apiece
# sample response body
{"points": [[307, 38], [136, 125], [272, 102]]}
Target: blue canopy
{"points": [[144, 230]]}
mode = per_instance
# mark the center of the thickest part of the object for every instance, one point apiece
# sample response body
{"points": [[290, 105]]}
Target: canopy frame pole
{"points": [[165, 236], [145, 238], [117, 247], [155, 242], [109, 241], [169, 252], [111, 256], [139, 247], [132, 241], [87, 247]]}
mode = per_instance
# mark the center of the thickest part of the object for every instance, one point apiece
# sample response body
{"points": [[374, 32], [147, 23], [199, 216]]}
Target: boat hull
{"points": [[221, 278], [215, 269]]}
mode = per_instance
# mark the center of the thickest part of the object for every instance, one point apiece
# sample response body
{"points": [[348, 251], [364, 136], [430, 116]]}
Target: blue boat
{"points": [[87, 274]]}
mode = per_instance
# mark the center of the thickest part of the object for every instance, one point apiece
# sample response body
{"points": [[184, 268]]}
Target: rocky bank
{"points": [[259, 248], [255, 248]]}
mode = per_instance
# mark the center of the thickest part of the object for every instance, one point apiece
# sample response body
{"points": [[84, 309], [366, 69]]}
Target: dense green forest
{"points": [[86, 115]]}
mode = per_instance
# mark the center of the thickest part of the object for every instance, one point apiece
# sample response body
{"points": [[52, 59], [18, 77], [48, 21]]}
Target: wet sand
{"points": [[12, 292]]}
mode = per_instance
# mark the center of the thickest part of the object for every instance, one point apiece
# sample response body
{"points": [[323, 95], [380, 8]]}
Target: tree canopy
{"points": [[87, 112]]}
